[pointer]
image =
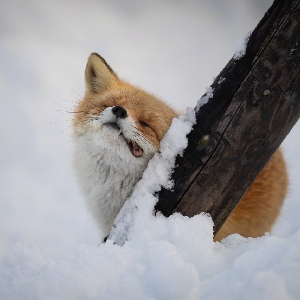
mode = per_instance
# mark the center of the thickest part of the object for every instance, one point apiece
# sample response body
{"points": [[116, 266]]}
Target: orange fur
{"points": [[260, 206], [143, 107]]}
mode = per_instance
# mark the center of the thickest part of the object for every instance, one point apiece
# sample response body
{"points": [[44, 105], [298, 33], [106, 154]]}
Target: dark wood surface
{"points": [[245, 121]]}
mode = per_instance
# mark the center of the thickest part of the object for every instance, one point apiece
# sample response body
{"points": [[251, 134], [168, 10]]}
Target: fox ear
{"points": [[98, 75]]}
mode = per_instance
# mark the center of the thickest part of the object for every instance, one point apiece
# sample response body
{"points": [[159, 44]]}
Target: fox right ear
{"points": [[98, 75]]}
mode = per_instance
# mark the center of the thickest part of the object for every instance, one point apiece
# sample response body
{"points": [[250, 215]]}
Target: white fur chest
{"points": [[107, 173]]}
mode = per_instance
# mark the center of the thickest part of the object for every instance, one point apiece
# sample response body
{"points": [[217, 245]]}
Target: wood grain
{"points": [[243, 124]]}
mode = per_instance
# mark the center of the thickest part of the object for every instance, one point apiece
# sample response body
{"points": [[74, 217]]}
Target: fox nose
{"points": [[119, 111]]}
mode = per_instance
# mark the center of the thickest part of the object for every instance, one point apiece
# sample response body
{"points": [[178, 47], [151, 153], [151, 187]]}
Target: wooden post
{"points": [[255, 103]]}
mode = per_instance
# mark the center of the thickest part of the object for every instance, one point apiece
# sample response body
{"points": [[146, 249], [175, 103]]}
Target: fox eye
{"points": [[144, 124]]}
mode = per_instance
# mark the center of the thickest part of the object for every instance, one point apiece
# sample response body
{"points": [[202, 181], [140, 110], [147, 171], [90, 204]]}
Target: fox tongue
{"points": [[136, 150]]}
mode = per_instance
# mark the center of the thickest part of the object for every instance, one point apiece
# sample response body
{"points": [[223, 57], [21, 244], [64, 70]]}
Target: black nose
{"points": [[119, 111]]}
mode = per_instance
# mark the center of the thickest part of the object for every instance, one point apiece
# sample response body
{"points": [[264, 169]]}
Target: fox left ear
{"points": [[98, 75]]}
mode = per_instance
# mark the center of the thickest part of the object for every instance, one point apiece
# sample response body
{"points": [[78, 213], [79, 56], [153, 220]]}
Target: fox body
{"points": [[118, 128]]}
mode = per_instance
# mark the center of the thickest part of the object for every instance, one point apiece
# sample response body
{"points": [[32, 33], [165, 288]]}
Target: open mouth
{"points": [[135, 149]]}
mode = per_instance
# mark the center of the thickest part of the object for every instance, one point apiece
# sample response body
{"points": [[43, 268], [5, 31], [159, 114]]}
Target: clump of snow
{"points": [[203, 100], [222, 79], [161, 258], [241, 46]]}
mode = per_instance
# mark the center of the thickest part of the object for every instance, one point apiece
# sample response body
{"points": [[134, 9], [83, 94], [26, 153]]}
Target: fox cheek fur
{"points": [[118, 128]]}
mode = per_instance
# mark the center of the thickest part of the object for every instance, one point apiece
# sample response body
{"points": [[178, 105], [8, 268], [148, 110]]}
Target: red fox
{"points": [[118, 128]]}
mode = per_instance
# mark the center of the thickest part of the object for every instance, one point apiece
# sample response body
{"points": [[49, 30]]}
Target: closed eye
{"points": [[144, 124]]}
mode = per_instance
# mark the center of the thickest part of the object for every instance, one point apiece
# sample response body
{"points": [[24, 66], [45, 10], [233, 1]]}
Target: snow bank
{"points": [[163, 258], [176, 259]]}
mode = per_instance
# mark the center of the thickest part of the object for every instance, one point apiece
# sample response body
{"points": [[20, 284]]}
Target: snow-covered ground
{"points": [[48, 242]]}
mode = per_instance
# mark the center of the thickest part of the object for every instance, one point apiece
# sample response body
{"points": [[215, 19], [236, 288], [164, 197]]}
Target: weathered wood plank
{"points": [[245, 121]]}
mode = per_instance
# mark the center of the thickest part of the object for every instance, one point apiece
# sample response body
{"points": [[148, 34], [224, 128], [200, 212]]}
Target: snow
{"points": [[204, 99], [169, 258], [48, 242], [154, 257], [222, 79], [241, 46]]}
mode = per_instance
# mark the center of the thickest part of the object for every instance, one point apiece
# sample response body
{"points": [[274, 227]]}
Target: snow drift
{"points": [[163, 258]]}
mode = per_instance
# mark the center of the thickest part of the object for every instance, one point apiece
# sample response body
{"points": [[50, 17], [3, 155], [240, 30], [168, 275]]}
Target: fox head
{"points": [[117, 115]]}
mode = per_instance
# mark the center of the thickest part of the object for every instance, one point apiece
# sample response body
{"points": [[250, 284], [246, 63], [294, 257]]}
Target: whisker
{"points": [[77, 103], [78, 112], [145, 143], [142, 130], [80, 122], [141, 137], [60, 112], [62, 105], [71, 111], [58, 122], [91, 102]]}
